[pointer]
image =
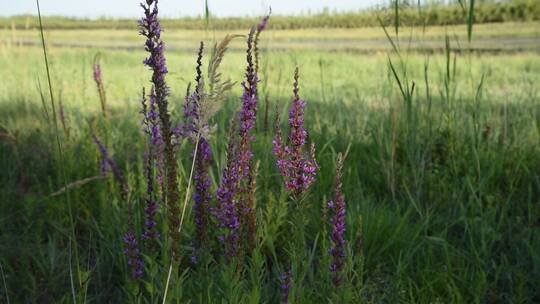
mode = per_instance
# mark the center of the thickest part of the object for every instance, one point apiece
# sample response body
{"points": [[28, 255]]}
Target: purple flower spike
{"points": [[133, 254], [285, 286], [247, 119], [338, 206], [263, 24], [151, 29], [98, 78], [97, 72], [152, 206], [150, 212], [196, 130], [297, 166], [152, 128], [235, 193], [227, 212], [248, 113], [153, 156], [260, 28], [108, 164], [201, 195]]}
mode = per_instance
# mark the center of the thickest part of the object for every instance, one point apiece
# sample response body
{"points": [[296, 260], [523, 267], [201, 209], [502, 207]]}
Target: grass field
{"points": [[442, 185], [495, 37]]}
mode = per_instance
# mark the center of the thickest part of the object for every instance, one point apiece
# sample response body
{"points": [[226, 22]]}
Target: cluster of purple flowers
{"points": [[132, 246], [133, 254], [108, 164], [298, 167], [201, 195], [156, 141], [152, 206], [151, 29], [234, 193], [97, 72], [263, 24], [248, 113], [260, 28], [227, 212], [194, 129], [153, 157], [235, 211], [285, 286], [159, 130], [338, 225], [99, 83]]}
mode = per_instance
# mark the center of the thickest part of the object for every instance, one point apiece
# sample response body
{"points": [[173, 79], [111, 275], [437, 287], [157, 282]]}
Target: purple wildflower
{"points": [[285, 286], [227, 212], [98, 78], [108, 164], [235, 194], [151, 29], [338, 225], [154, 157], [263, 24], [133, 254], [151, 127], [195, 129], [132, 247], [260, 28], [202, 196], [297, 166], [97, 72], [152, 206], [191, 126], [150, 212], [248, 113], [247, 119]]}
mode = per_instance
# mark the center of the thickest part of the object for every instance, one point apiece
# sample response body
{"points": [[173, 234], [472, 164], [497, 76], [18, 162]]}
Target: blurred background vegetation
{"points": [[410, 13]]}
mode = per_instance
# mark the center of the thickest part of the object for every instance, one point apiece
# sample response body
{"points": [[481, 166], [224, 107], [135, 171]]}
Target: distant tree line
{"points": [[410, 13]]}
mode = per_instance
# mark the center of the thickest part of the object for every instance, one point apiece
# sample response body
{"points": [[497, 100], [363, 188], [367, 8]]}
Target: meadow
{"points": [[437, 13], [441, 172]]}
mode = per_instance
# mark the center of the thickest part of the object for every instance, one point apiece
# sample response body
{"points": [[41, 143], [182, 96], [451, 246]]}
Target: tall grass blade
{"points": [[43, 102], [470, 20], [394, 46], [206, 13], [61, 159], [4, 281], [396, 16]]}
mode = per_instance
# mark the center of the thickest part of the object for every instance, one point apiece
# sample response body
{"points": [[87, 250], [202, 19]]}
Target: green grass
{"points": [[523, 36], [446, 181]]}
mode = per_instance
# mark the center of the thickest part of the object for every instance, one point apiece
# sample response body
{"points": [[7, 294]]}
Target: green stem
{"points": [[72, 239]]}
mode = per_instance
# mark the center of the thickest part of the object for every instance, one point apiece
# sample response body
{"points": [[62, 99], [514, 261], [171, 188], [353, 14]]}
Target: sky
{"points": [[178, 8]]}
